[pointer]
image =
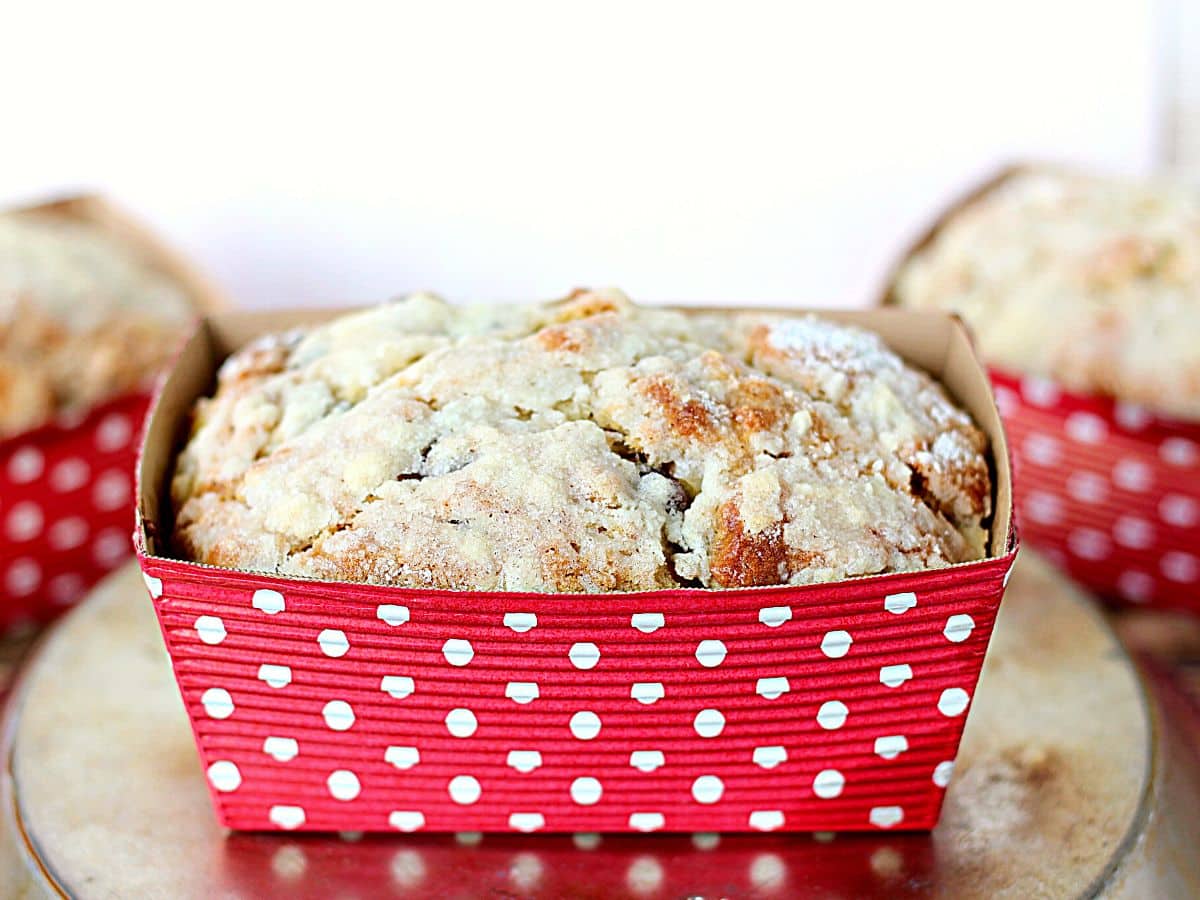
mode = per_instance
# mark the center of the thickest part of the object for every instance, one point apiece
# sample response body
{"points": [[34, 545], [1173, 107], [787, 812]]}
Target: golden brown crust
{"points": [[741, 559], [582, 446]]}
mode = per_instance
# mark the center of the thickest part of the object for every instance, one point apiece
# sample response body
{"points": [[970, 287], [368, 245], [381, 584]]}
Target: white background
{"points": [[777, 153]]}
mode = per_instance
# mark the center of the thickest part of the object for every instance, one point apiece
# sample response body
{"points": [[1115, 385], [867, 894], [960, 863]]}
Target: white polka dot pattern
{"points": [[1180, 567], [65, 508], [461, 722], [832, 715], [458, 652], [69, 475], [647, 692], [224, 776], [584, 655], [287, 817], [338, 715], [526, 822], [766, 819], [772, 688], [282, 749], [585, 725], [886, 816], [774, 616], [269, 601], [647, 821], [708, 789], [1087, 428], [25, 464], [402, 757], [67, 534], [943, 772], [23, 522], [522, 691], [1089, 543], [464, 789], [1108, 491], [1134, 586], [890, 746], [275, 675], [710, 653], [958, 627], [1179, 511], [647, 760], [217, 702], [1087, 487], [1042, 449], [647, 623], [709, 723], [392, 614], [210, 629], [524, 761], [836, 644], [1044, 508], [586, 791], [1039, 391], [898, 604], [333, 642], [406, 820], [343, 785], [552, 717], [828, 784], [894, 676], [953, 702], [397, 686], [1133, 475], [770, 757], [520, 622]]}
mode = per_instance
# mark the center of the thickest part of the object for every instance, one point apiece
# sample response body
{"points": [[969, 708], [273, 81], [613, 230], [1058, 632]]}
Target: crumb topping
{"points": [[588, 445]]}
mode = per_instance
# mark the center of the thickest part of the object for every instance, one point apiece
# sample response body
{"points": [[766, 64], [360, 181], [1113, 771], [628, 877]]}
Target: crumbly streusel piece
{"points": [[588, 445], [1092, 282], [81, 319]]}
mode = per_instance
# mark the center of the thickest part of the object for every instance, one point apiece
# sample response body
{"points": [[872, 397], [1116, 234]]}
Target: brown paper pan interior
{"points": [[935, 342]]}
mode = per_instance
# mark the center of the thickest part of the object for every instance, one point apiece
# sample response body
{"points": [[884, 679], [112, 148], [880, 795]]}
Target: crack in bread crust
{"points": [[588, 445]]}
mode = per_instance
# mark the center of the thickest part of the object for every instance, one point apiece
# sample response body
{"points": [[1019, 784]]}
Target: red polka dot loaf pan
{"points": [[332, 706], [66, 487]]}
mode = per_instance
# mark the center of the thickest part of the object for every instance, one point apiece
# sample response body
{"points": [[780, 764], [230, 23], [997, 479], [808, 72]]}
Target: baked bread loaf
{"points": [[82, 319], [1092, 282], [583, 446]]}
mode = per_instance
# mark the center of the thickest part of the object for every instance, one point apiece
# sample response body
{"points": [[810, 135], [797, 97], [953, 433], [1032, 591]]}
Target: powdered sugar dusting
{"points": [[585, 446], [857, 349]]}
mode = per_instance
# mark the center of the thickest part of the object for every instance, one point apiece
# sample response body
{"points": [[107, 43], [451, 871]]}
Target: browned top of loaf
{"points": [[583, 446]]}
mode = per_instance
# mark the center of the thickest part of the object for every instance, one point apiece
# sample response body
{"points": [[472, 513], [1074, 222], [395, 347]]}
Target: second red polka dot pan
{"points": [[349, 707], [66, 498], [66, 487], [1109, 491]]}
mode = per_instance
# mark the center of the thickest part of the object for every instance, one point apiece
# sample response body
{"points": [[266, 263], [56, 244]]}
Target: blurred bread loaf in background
{"points": [[1092, 282], [83, 318]]}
